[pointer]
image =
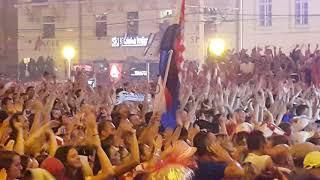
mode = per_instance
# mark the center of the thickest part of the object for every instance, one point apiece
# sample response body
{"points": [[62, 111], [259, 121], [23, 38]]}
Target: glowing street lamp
{"points": [[69, 53], [216, 47], [26, 61]]}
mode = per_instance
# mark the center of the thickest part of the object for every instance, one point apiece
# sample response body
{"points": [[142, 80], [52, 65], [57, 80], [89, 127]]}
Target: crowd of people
{"points": [[241, 116], [31, 70]]}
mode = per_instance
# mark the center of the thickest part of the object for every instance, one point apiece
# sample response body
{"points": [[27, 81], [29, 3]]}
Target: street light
{"points": [[216, 47], [26, 61], [69, 53]]}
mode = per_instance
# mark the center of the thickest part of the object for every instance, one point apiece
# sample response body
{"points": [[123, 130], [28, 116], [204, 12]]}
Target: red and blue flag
{"points": [[171, 57]]}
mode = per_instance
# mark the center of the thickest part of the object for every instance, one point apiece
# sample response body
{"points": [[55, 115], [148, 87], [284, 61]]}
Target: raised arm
{"points": [[19, 141]]}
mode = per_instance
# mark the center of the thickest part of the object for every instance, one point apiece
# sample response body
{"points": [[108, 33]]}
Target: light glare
{"points": [[216, 46], [69, 52]]}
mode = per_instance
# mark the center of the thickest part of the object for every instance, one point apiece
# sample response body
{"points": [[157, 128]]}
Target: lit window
{"points": [[166, 13], [302, 12], [265, 13]]}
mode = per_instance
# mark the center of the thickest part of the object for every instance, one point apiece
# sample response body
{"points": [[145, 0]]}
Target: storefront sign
{"points": [[86, 67], [115, 70], [139, 73], [129, 41]]}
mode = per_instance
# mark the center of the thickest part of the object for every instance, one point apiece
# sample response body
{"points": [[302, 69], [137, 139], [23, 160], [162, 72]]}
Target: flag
{"points": [[171, 50]]}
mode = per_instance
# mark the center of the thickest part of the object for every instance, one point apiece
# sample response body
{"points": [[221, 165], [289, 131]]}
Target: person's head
{"points": [[239, 139], [312, 163], [115, 116], [37, 174], [256, 141], [104, 113], [11, 162], [56, 114], [54, 166], [106, 128], [279, 139], [201, 142], [123, 111], [3, 116], [286, 127], [281, 156], [58, 104], [299, 152], [69, 156], [135, 119], [7, 105], [302, 110], [30, 91]]}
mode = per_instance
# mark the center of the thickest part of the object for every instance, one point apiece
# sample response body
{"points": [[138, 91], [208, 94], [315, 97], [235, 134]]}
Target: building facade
{"points": [[282, 23], [8, 37], [120, 30], [115, 30]]}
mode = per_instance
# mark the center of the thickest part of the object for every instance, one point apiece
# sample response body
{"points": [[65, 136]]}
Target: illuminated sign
{"points": [[139, 73], [129, 41], [115, 70], [86, 67]]}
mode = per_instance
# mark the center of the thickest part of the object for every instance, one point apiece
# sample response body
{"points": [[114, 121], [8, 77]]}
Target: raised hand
{"points": [[3, 174], [157, 143], [193, 131], [218, 153]]}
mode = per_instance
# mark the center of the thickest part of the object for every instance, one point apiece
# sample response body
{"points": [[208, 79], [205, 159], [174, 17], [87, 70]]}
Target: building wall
{"points": [[283, 32], [227, 22], [89, 47], [8, 37]]}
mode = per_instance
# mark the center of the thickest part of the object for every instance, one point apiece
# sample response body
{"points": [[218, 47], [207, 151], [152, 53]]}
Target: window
{"points": [[166, 13], [265, 13], [133, 24], [302, 12], [101, 25], [49, 27]]}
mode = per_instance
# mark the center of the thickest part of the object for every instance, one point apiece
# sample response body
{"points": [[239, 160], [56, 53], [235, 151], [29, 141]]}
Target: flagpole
{"points": [[161, 84], [168, 67]]}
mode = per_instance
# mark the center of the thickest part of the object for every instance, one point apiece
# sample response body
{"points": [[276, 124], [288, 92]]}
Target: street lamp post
{"points": [[68, 54], [26, 61]]}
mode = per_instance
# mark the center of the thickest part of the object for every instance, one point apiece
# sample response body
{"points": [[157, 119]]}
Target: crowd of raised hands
{"points": [[242, 116]]}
